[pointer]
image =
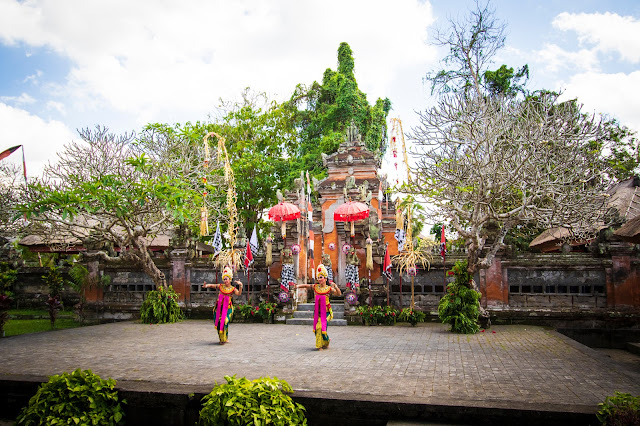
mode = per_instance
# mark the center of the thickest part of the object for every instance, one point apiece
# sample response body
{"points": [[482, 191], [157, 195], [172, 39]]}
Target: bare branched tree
{"points": [[11, 190], [490, 165], [490, 162]]}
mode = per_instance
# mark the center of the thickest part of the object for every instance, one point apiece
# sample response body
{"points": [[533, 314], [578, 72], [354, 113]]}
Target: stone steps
{"points": [[304, 315], [634, 348]]}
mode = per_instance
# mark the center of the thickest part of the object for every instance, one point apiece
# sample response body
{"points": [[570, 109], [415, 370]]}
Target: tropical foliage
{"points": [[459, 306], [161, 306], [324, 111], [412, 316], [621, 409], [79, 398], [263, 401]]}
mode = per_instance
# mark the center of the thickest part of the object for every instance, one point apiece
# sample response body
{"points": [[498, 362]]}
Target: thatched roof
{"points": [[624, 198], [75, 245], [630, 231]]}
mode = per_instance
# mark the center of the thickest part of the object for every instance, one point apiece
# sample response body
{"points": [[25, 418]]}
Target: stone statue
{"points": [[326, 261]]}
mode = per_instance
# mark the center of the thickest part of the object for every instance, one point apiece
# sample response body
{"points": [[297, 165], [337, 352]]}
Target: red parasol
{"points": [[350, 212], [282, 212]]}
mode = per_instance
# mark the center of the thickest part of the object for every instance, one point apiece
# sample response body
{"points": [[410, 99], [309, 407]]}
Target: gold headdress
{"points": [[322, 271]]}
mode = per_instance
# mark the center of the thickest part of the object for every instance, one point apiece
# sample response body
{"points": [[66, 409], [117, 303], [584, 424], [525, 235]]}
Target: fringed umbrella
{"points": [[351, 211], [283, 212]]}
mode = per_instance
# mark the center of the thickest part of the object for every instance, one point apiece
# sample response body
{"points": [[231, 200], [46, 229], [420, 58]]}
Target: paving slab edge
{"points": [[490, 405]]}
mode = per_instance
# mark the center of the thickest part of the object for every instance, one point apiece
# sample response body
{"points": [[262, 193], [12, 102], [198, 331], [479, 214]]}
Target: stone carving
{"points": [[350, 182], [326, 261]]}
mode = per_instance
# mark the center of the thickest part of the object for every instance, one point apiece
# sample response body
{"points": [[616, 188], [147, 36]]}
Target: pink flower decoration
{"points": [[332, 246], [295, 248]]}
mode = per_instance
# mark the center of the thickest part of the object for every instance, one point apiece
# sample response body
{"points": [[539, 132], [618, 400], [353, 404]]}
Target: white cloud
{"points": [[23, 99], [34, 78], [606, 32], [172, 61], [552, 58], [617, 95], [41, 139], [56, 106]]}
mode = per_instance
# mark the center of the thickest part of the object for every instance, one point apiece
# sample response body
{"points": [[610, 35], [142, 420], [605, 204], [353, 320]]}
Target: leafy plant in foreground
{"points": [[251, 402], [80, 398], [622, 409], [161, 306], [459, 305]]}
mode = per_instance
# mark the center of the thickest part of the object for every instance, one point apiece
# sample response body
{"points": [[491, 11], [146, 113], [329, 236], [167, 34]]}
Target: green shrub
{"points": [[161, 306], [622, 409], [266, 309], [389, 315], [411, 316], [246, 311], [245, 402], [459, 305], [370, 314], [79, 398], [8, 277]]}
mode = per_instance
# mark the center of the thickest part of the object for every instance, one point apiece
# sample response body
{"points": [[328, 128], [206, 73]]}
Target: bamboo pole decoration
{"points": [[231, 256]]}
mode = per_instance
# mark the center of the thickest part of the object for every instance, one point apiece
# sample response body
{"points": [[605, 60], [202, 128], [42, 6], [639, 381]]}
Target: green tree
{"points": [[107, 193], [260, 138], [324, 111]]}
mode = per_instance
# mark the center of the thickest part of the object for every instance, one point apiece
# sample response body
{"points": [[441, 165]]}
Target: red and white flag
{"points": [[380, 198], [248, 257], [386, 267], [443, 244], [7, 152]]}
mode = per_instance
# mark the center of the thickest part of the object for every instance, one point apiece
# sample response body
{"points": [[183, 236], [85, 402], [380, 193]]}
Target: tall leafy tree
{"points": [[324, 111], [260, 138]]}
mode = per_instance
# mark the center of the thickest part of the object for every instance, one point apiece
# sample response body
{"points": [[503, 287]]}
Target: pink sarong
{"points": [[221, 310], [321, 310]]}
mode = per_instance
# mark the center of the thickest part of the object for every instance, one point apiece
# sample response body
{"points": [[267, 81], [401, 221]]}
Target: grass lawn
{"points": [[15, 327]]}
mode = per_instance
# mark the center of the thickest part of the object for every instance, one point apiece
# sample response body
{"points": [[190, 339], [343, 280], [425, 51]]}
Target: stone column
{"points": [[94, 294], [623, 282], [179, 281]]}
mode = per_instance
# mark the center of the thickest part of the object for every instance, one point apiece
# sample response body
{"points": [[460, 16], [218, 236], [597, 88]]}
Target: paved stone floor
{"points": [[506, 366]]}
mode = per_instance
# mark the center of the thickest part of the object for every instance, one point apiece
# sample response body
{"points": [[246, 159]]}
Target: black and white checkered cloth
{"points": [[287, 275], [351, 274]]}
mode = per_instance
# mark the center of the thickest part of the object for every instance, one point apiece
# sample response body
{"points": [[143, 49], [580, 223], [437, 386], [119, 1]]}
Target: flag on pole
{"points": [[7, 152], [253, 242], [217, 240], [386, 267], [443, 244], [312, 239], [380, 197], [248, 257], [24, 167]]}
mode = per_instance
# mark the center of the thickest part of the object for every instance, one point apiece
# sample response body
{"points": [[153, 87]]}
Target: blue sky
{"points": [[70, 64]]}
